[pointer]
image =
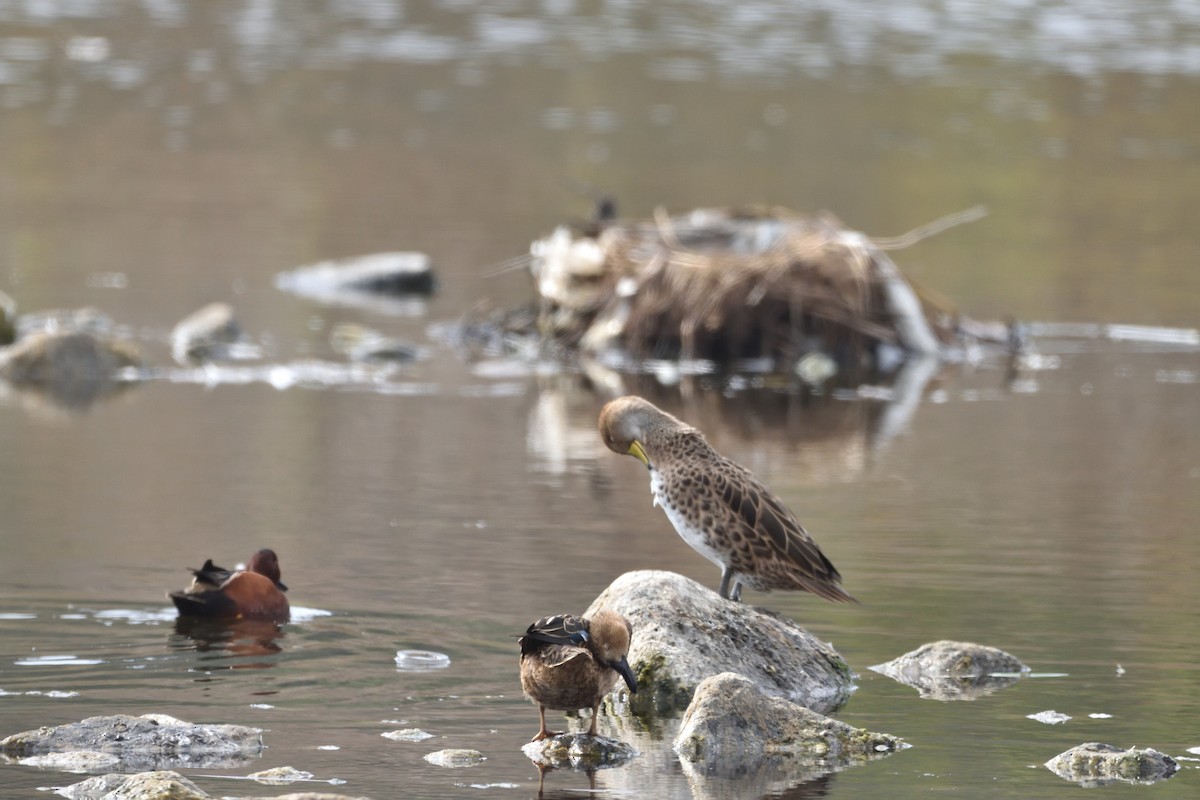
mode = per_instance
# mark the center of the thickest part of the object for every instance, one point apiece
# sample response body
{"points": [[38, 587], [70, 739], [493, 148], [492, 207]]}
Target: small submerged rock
{"points": [[359, 343], [578, 751], [949, 670], [1096, 764], [151, 741], [280, 775], [407, 735], [162, 785], [455, 757], [209, 334], [684, 633]]}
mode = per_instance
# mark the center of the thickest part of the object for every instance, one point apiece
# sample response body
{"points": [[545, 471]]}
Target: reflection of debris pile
{"points": [[727, 285]]}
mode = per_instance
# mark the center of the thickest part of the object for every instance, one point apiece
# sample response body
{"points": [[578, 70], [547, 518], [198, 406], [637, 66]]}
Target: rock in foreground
{"points": [[1095, 764], [578, 751], [948, 670], [163, 785], [731, 724], [149, 742], [684, 633]]}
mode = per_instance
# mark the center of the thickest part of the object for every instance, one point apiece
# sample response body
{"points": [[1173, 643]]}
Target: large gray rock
{"points": [[148, 742], [948, 670], [1096, 764], [684, 633], [732, 724]]}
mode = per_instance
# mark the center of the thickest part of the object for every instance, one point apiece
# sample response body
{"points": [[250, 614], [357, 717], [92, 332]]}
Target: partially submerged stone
{"points": [[949, 670], [731, 723], [1096, 764], [578, 751], [209, 334], [280, 775], [73, 369], [360, 343], [455, 757], [361, 281], [160, 785], [151, 741], [684, 633]]}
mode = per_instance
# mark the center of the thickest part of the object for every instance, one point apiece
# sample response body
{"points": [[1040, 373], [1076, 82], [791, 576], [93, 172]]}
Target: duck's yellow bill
{"points": [[635, 450]]}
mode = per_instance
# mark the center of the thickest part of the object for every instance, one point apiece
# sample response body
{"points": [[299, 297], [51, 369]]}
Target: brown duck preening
{"points": [[253, 593], [569, 663], [719, 508]]}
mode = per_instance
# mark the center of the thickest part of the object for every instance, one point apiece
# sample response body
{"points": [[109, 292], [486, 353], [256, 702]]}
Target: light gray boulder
{"points": [[732, 724], [684, 633], [949, 670], [1096, 764], [148, 742]]}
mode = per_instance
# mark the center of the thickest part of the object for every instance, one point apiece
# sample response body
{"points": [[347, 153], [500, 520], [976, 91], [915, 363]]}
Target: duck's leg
{"points": [[736, 594], [727, 583], [543, 733], [595, 718]]}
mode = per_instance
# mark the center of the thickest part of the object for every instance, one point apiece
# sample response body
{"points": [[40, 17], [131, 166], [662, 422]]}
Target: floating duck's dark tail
{"points": [[203, 604]]}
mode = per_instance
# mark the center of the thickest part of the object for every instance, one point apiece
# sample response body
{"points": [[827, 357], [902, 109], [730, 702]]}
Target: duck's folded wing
{"points": [[561, 630]]}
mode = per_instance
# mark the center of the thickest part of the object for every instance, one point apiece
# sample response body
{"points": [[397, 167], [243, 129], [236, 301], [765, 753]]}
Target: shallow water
{"points": [[158, 156]]}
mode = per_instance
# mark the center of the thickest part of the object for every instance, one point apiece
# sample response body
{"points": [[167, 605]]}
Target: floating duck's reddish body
{"points": [[253, 593]]}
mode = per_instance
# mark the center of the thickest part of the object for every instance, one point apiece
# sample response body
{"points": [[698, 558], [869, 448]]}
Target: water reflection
{"points": [[683, 42], [241, 639], [772, 778]]}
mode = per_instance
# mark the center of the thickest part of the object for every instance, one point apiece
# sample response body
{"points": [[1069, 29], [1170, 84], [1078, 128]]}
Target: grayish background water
{"points": [[156, 156]]}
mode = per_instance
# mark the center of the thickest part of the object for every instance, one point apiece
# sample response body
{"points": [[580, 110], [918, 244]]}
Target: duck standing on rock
{"points": [[719, 508], [569, 663], [253, 593]]}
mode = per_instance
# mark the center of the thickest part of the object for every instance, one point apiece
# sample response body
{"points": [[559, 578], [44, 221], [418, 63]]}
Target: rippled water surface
{"points": [[157, 156]]}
